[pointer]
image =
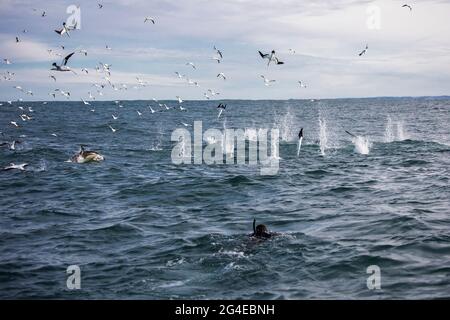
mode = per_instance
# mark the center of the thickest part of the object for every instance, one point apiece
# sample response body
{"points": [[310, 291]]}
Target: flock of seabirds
{"points": [[86, 156]]}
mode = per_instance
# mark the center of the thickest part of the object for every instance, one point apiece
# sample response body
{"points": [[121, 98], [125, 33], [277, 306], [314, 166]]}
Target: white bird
{"points": [[85, 102], [213, 93], [151, 109], [14, 124], [63, 67], [182, 109], [221, 75], [149, 19], [186, 125], [83, 52], [271, 57], [84, 70], [108, 47], [54, 134], [115, 117], [6, 61], [65, 30], [20, 167], [216, 59], [267, 82], [179, 99], [53, 77], [191, 64], [291, 51], [112, 129], [139, 113], [302, 85]]}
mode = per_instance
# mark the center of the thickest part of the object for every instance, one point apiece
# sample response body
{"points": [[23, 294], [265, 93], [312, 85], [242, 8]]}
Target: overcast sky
{"points": [[409, 54]]}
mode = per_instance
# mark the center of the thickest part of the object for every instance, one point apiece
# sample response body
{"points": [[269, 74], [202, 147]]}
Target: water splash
{"points": [[401, 133], [227, 144], [362, 144], [390, 134], [286, 125], [323, 137]]}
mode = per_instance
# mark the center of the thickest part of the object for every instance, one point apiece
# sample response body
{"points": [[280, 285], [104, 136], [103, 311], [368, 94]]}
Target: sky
{"points": [[408, 55]]}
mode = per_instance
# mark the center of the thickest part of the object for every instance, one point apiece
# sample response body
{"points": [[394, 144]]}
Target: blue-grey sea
{"points": [[141, 227]]}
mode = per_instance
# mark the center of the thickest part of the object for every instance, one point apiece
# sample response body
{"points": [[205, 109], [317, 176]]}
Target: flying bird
{"points": [[64, 30], [270, 57], [407, 6], [149, 19], [302, 85], [267, 82], [100, 6], [63, 66], [221, 75], [218, 52], [191, 64], [53, 77], [364, 51]]}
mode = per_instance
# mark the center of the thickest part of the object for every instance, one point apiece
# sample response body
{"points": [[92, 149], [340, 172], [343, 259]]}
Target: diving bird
{"points": [[149, 19], [300, 139], [64, 30], [222, 107], [364, 51], [112, 129], [407, 6], [85, 102], [216, 59], [270, 57], [12, 166], [219, 53], [63, 66]]}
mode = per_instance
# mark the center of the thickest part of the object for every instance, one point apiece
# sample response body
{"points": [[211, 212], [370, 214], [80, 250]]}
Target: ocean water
{"points": [[141, 227]]}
